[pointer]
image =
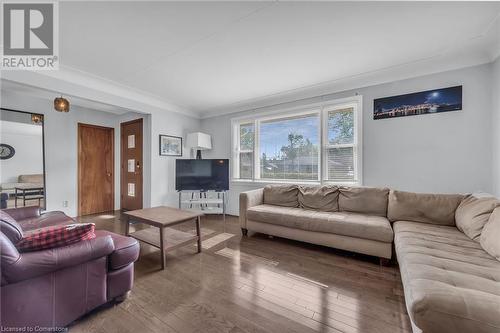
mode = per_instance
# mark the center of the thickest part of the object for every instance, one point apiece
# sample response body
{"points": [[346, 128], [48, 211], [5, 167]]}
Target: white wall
{"points": [[26, 139], [61, 149], [496, 125], [163, 167], [446, 152]]}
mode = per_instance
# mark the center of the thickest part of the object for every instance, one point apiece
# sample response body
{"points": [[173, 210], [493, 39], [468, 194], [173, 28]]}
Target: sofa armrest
{"points": [[249, 199], [126, 249], [32, 264], [23, 212]]}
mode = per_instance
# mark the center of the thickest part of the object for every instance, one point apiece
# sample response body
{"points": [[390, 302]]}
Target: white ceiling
{"points": [[211, 57]]}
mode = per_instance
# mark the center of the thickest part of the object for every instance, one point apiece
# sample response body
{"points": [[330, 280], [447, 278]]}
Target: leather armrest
{"points": [[249, 199], [23, 212], [126, 249], [33, 264]]}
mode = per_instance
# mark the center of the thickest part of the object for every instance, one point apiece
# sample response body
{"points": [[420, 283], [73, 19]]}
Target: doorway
{"points": [[131, 165], [22, 159], [96, 193]]}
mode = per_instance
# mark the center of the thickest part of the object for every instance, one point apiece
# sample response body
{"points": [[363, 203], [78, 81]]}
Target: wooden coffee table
{"points": [[160, 219]]}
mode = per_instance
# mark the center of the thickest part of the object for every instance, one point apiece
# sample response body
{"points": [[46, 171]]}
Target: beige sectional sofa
{"points": [[353, 219], [447, 245], [35, 180]]}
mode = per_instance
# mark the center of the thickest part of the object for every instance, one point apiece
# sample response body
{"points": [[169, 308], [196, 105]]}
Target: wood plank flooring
{"points": [[252, 284]]}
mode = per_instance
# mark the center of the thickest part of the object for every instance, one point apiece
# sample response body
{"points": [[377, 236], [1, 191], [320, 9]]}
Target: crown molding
{"points": [[428, 66], [72, 82]]}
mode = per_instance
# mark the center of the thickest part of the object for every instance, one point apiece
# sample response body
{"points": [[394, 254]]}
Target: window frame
{"points": [[237, 151], [338, 106], [288, 116], [321, 109]]}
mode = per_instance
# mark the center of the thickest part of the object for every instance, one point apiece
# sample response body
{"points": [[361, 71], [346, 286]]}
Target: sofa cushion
{"points": [[473, 213], [34, 179], [10, 227], [322, 198], [364, 200], [9, 187], [423, 207], [451, 284], [281, 195], [341, 223], [490, 237], [126, 249], [55, 236]]}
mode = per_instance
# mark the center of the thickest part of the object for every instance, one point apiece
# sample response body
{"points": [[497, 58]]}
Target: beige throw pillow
{"points": [[321, 198], [473, 213], [281, 195], [490, 237]]}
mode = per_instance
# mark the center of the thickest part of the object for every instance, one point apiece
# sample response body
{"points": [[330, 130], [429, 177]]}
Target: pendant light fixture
{"points": [[36, 118], [61, 104]]}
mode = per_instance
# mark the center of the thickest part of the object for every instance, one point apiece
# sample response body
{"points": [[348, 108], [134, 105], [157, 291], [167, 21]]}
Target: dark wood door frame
{"points": [[124, 166], [112, 171]]}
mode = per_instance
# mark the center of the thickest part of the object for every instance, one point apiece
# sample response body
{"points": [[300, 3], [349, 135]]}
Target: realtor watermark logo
{"points": [[30, 36]]}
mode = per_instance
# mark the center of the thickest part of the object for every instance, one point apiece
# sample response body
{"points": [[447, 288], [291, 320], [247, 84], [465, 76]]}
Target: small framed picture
{"points": [[170, 145]]}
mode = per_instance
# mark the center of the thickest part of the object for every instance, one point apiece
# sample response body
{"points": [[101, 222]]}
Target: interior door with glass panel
{"points": [[131, 165]]}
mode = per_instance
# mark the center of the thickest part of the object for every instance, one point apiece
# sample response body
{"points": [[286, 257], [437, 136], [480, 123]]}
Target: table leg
{"points": [[15, 198], [198, 233], [24, 198], [162, 248], [127, 225]]}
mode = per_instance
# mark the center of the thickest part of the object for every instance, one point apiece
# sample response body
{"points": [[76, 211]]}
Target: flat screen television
{"points": [[202, 175]]}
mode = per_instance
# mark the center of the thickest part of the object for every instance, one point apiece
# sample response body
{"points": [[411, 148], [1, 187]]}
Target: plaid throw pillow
{"points": [[55, 236]]}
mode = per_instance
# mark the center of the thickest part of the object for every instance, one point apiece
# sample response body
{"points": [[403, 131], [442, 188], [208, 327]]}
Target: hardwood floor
{"points": [[252, 284]]}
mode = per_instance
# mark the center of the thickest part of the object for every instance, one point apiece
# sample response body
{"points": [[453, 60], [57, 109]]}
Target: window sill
{"points": [[243, 182]]}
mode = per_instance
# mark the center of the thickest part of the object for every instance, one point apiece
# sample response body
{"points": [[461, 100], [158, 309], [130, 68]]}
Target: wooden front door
{"points": [[131, 165], [96, 193]]}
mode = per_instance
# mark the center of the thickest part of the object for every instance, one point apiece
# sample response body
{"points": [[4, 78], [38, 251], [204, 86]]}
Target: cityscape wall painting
{"points": [[424, 102]]}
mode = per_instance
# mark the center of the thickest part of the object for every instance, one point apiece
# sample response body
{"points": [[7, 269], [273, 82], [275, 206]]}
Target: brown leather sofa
{"points": [[51, 288]]}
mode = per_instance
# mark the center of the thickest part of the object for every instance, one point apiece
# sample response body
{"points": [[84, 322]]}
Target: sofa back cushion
{"points": [[422, 207], [364, 200], [321, 198], [473, 213], [490, 236], [10, 228], [34, 179], [281, 195]]}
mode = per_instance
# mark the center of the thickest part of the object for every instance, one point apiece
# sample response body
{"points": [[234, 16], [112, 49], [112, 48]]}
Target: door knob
{"points": [[108, 174]]}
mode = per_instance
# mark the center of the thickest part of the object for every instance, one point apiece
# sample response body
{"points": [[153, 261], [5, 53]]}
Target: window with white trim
{"points": [[246, 135], [315, 143], [340, 145]]}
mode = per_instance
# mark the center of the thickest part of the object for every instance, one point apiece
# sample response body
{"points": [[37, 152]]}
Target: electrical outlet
{"points": [[65, 203]]}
